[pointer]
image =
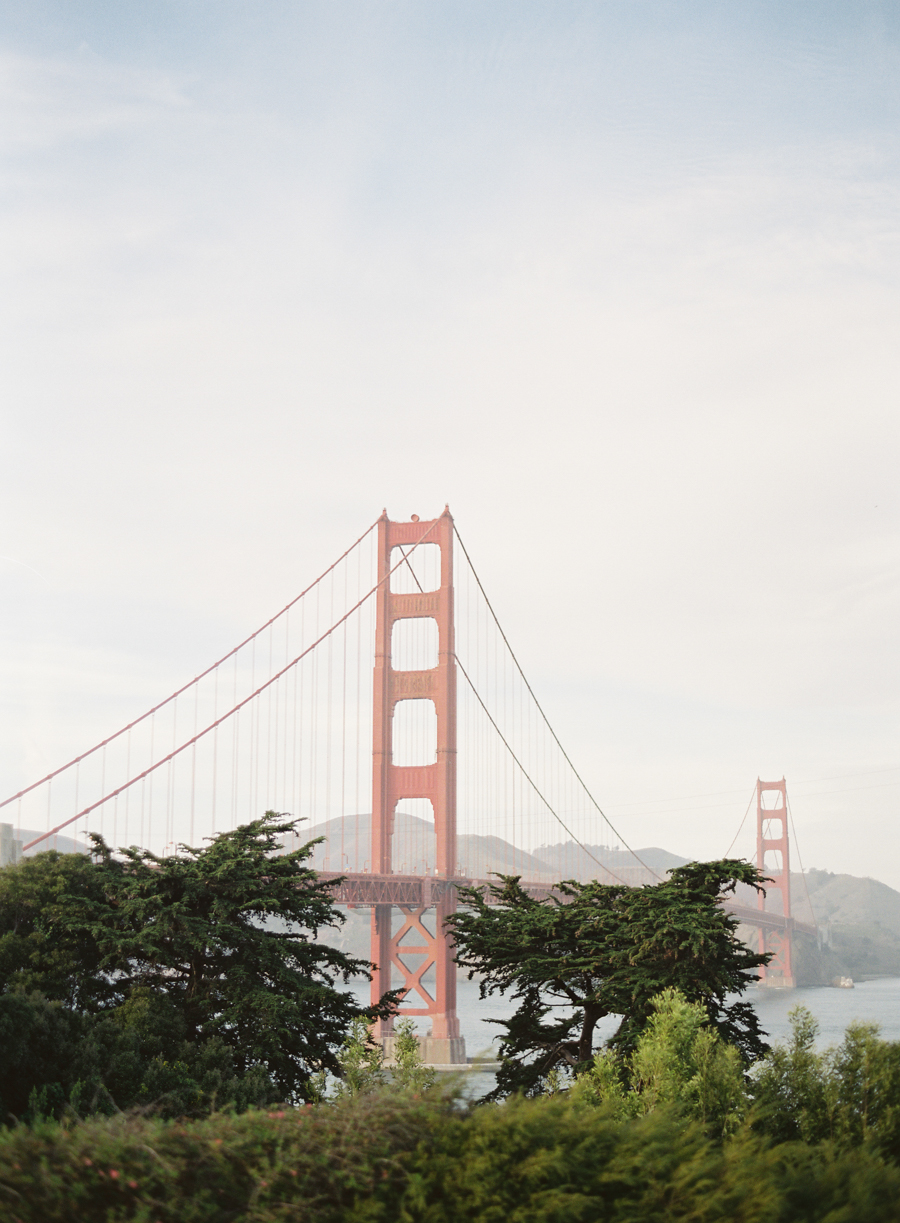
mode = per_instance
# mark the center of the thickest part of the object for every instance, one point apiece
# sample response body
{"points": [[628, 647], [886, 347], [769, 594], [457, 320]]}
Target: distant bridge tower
{"points": [[434, 780], [773, 860]]}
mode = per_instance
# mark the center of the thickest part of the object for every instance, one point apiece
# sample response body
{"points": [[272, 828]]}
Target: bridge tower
{"points": [[772, 840], [435, 781]]}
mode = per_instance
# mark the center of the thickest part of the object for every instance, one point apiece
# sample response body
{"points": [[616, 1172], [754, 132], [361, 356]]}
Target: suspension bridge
{"points": [[385, 705]]}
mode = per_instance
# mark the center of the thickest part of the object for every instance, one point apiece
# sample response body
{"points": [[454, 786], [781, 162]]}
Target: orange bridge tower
{"points": [[773, 860], [418, 937]]}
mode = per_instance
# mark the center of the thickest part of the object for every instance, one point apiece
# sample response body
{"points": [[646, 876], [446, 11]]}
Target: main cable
{"points": [[533, 784], [540, 709], [225, 716], [741, 824], [196, 679], [800, 860]]}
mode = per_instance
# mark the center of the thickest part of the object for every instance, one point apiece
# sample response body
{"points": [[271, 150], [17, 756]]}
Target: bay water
{"points": [[875, 1002], [869, 1001]]}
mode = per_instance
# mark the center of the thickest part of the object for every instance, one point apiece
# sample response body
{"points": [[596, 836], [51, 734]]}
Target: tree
{"points": [[361, 1062], [39, 948], [207, 961], [593, 950], [40, 1042]]}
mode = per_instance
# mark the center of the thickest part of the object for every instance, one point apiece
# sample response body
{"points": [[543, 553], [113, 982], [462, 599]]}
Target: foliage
{"points": [[194, 979], [360, 1061], [388, 1156], [849, 1094], [40, 950], [595, 950], [326, 1162], [362, 1064], [408, 1071], [39, 1041], [678, 1061]]}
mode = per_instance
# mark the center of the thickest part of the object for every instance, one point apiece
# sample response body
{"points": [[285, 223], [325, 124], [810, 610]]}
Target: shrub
{"points": [[390, 1157], [680, 1061], [849, 1094]]}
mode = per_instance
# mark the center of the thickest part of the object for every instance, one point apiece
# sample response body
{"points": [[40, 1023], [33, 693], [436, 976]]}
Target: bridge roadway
{"points": [[359, 890]]}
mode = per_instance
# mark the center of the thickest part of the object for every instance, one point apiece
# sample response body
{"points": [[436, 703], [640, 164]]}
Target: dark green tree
{"points": [[594, 950], [207, 964], [39, 1042], [40, 949]]}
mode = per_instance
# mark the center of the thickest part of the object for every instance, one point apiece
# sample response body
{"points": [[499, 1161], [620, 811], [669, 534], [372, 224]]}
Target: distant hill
{"points": [[845, 900], [63, 844], [858, 919], [347, 847], [568, 860], [859, 927]]}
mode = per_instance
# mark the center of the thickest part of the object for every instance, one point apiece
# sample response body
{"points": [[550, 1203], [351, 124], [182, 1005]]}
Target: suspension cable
{"points": [[800, 861], [196, 679], [741, 824], [533, 784], [540, 709], [234, 709]]}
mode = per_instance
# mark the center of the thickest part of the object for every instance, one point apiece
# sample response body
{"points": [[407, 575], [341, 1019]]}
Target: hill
{"points": [[858, 919], [60, 842], [346, 847], [859, 927]]}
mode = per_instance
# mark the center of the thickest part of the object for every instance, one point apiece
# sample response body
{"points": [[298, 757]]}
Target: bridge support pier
{"points": [[394, 951]]}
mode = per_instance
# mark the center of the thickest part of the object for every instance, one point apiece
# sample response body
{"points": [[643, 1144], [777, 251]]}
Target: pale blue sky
{"points": [[619, 281]]}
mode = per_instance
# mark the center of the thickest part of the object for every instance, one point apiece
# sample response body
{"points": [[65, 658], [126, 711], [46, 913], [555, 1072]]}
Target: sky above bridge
{"points": [[618, 281]]}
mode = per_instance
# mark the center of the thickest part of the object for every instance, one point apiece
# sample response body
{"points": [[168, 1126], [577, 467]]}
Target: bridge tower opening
{"points": [[773, 860], [421, 945]]}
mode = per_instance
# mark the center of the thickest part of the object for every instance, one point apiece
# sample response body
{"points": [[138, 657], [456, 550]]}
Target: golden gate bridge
{"points": [[386, 705]]}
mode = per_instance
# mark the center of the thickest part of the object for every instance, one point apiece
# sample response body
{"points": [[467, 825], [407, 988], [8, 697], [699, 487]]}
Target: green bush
{"points": [[849, 1094], [679, 1060], [325, 1163], [394, 1157]]}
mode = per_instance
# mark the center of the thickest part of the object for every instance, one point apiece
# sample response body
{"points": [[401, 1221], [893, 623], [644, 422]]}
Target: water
{"points": [[870, 1001]]}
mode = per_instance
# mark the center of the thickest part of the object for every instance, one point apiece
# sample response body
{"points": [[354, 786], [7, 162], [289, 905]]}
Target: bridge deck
{"points": [[423, 891]]}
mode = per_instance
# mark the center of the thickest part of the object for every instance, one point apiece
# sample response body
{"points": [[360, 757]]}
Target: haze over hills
{"points": [[844, 900], [347, 848], [567, 859], [859, 924], [60, 842], [858, 919]]}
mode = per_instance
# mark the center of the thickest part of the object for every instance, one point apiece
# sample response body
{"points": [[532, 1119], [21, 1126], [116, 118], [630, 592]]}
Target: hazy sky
{"points": [[619, 281]]}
